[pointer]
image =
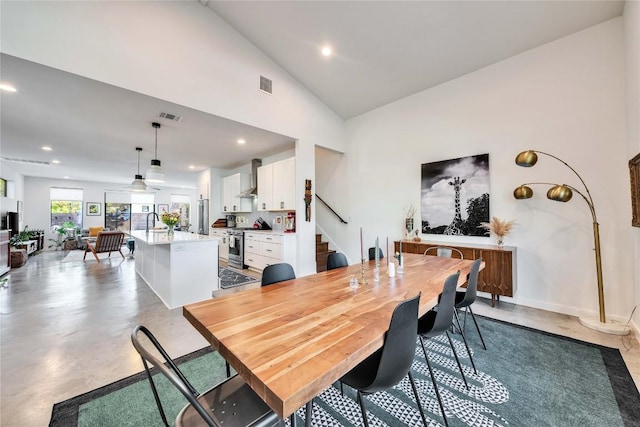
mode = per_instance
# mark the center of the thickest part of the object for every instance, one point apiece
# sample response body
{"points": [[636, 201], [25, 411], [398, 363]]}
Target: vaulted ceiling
{"points": [[382, 51]]}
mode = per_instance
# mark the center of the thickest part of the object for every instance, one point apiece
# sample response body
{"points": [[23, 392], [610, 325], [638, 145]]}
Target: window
{"points": [[125, 211], [117, 216], [66, 207]]}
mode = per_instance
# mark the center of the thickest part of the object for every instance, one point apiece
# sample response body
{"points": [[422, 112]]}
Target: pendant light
{"points": [[138, 184], [155, 173]]}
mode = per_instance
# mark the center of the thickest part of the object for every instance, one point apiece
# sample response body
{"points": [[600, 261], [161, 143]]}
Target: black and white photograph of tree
{"points": [[455, 196]]}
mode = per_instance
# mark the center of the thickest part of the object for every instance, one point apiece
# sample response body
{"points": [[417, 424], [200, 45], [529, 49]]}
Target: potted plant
{"points": [[61, 232]]}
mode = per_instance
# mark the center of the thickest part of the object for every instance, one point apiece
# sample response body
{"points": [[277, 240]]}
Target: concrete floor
{"points": [[65, 330]]}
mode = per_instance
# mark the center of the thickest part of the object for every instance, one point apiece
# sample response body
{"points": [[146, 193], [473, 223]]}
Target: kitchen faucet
{"points": [[157, 217]]}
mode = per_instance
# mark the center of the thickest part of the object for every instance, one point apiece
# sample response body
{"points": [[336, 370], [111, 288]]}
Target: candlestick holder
{"points": [[376, 274], [363, 280]]}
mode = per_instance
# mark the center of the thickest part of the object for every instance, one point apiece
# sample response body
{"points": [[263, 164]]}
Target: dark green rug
{"points": [[525, 378]]}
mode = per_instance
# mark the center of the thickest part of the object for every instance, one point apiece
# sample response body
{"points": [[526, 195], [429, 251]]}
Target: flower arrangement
{"points": [[498, 227], [170, 219]]}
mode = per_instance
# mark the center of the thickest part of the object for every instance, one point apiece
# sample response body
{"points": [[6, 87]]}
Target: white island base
{"points": [[181, 269]]}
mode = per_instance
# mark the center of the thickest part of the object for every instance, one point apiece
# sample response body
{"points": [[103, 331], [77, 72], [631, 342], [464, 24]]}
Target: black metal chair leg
{"points": [[415, 393], [473, 317], [464, 339], [457, 322], [457, 360], [308, 414], [435, 386], [365, 420], [155, 392], [228, 369], [292, 420]]}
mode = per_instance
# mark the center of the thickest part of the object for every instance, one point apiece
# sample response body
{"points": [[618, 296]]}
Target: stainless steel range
{"points": [[236, 247]]}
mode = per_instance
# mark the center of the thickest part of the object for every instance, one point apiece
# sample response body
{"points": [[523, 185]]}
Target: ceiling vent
{"points": [[266, 85], [15, 159], [170, 116]]}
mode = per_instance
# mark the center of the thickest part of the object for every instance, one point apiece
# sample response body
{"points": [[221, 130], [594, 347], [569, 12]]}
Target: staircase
{"points": [[322, 252]]}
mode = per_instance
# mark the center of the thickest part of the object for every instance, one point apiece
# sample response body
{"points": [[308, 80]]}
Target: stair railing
{"points": [[331, 209]]}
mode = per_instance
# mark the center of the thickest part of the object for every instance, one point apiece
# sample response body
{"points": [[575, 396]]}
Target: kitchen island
{"points": [[181, 269]]}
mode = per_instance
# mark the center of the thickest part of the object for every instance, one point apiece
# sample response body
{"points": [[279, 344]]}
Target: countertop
{"points": [[161, 237]]}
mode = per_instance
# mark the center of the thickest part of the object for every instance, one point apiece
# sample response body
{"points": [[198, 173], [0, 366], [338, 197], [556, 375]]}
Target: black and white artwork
{"points": [[455, 196]]}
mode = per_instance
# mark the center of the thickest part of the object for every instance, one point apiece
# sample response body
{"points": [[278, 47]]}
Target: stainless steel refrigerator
{"points": [[203, 216]]}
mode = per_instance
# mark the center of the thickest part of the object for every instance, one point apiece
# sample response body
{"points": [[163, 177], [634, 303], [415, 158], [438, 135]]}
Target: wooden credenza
{"points": [[499, 274]]}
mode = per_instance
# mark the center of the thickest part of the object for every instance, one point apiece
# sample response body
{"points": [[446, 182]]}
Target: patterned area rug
{"points": [[525, 378], [231, 278]]}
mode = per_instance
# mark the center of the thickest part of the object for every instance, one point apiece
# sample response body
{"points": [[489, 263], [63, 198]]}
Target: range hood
{"points": [[252, 192]]}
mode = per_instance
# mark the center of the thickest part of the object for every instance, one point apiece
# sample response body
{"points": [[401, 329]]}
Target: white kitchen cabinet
{"points": [[232, 186], [276, 186], [265, 187], [223, 235], [263, 248]]}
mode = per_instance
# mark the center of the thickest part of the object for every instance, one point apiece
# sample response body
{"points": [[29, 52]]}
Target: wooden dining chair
{"points": [[389, 365], [107, 241], [231, 403]]}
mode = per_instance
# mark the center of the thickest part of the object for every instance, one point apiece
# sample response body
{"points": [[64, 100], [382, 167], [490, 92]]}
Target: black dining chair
{"points": [[336, 260], [437, 321], [229, 403], [465, 298], [389, 365], [275, 273], [372, 253]]}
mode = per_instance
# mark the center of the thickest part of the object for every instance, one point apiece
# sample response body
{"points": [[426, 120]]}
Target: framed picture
{"points": [[162, 208], [93, 208], [19, 209], [455, 196], [145, 208], [634, 173]]}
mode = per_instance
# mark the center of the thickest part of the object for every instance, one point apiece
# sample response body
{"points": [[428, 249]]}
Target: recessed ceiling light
{"points": [[191, 167], [46, 148], [326, 51], [65, 177], [55, 161], [241, 141], [7, 87]]}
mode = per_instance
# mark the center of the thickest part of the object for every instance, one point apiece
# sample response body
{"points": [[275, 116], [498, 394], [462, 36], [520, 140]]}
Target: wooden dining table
{"points": [[293, 339]]}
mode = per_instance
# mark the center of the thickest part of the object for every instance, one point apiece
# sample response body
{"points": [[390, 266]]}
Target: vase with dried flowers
{"points": [[408, 220], [499, 227]]}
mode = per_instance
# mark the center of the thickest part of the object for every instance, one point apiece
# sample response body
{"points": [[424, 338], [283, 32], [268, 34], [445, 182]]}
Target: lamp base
{"points": [[610, 327]]}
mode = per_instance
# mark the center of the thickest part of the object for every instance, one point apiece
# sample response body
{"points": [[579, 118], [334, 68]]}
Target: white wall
{"points": [[632, 44], [567, 98], [9, 203], [178, 51], [37, 207]]}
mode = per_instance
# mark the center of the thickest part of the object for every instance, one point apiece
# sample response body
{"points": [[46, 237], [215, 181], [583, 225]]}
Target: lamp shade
{"points": [[560, 193], [523, 192], [527, 158], [138, 184], [155, 172]]}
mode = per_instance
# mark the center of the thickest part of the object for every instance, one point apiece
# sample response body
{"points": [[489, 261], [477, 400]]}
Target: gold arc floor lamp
{"points": [[563, 193]]}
